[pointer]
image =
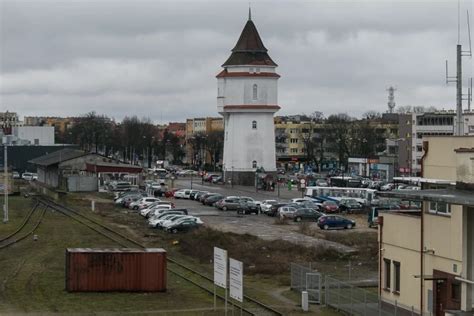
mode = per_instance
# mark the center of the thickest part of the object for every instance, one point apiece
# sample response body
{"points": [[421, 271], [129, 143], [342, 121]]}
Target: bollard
{"points": [[304, 301], [93, 205]]}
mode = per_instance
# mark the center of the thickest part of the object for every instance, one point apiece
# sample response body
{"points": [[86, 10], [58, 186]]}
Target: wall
{"points": [[440, 162], [401, 242], [37, 135], [238, 91], [242, 144], [82, 184]]}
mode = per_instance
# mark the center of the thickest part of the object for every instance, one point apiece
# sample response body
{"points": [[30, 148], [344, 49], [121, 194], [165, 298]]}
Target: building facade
{"points": [[427, 257], [197, 131], [247, 98]]}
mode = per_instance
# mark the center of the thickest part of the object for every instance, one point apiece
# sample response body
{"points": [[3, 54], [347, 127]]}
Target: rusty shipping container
{"points": [[129, 270]]}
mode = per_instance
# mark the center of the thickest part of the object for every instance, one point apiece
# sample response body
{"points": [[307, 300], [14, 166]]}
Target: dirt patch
{"points": [[259, 256]]}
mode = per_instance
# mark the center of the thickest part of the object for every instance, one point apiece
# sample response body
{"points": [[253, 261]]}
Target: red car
{"points": [[330, 207], [170, 193]]}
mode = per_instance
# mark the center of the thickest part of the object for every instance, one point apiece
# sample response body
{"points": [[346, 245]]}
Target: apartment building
{"points": [[427, 257], [196, 130], [9, 120]]}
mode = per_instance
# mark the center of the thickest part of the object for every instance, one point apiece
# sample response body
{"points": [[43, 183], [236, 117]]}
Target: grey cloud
{"points": [[160, 58]]}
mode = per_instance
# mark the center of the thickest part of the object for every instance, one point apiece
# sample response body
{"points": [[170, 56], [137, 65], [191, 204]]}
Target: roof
{"points": [[57, 157], [225, 74], [249, 49], [112, 167], [451, 196], [251, 107]]}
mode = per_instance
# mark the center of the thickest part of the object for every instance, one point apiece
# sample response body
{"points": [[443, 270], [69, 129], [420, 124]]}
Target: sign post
{"points": [[220, 273], [236, 281], [302, 187]]}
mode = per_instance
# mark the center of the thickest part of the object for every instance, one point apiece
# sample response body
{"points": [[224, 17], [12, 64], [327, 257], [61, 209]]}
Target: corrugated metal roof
{"points": [[57, 157]]}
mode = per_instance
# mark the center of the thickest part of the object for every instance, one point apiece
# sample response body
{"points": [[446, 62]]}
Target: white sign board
{"points": [[236, 280], [220, 267]]}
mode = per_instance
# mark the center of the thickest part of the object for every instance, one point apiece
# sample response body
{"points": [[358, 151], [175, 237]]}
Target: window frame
{"points": [[254, 124], [387, 275], [396, 276], [254, 92]]}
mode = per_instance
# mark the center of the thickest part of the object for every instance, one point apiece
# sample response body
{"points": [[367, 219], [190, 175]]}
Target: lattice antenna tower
{"points": [[391, 99]]}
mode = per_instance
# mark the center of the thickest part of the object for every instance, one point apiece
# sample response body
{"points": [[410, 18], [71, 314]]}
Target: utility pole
{"points": [[5, 189]]}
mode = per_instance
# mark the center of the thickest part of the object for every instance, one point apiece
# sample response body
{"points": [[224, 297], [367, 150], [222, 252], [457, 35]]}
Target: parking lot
{"points": [[262, 226]]}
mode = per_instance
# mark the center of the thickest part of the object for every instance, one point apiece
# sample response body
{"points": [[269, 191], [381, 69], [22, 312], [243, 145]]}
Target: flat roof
{"points": [[452, 196]]}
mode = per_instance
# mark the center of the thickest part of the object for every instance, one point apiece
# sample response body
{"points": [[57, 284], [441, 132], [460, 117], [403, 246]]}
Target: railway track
{"points": [[251, 305], [26, 228]]}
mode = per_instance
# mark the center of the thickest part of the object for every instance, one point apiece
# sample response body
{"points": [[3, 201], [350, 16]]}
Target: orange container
{"points": [[126, 269]]}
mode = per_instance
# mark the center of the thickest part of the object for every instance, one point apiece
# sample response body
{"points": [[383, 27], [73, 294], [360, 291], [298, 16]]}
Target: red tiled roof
{"points": [[225, 74]]}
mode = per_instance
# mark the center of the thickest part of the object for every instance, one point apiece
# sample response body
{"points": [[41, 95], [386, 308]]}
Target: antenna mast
{"points": [[458, 78]]}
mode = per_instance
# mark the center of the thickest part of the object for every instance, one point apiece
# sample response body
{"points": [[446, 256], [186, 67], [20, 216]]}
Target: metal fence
{"points": [[303, 278], [357, 301], [343, 296]]}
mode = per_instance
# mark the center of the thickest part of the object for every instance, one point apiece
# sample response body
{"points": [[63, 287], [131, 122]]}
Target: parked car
{"points": [[217, 180], [16, 175], [330, 207], [198, 195], [307, 214], [266, 204], [248, 207], [287, 211], [273, 210], [145, 202], [157, 222], [157, 213], [193, 194], [28, 176], [148, 211], [205, 196], [175, 222], [183, 226], [387, 187], [335, 221], [210, 177], [182, 194], [350, 206], [210, 200], [228, 204]]}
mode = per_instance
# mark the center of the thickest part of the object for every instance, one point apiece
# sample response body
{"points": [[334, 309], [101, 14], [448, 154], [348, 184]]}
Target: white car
{"points": [[28, 176], [142, 203], [148, 212], [160, 221], [170, 223], [182, 194], [265, 205], [286, 212]]}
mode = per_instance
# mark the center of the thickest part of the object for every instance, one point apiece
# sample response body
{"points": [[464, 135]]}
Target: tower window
{"points": [[254, 124], [255, 91], [254, 164]]}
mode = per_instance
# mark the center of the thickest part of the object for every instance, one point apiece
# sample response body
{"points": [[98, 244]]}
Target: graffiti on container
{"points": [[107, 261]]}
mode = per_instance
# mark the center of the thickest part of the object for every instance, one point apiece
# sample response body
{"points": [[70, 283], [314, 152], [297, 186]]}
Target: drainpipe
{"points": [[380, 224], [422, 241]]}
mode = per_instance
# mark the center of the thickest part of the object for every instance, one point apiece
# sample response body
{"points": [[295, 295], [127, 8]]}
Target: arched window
{"points": [[254, 164], [254, 90], [254, 124]]}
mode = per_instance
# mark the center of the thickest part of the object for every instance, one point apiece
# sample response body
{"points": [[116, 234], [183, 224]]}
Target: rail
{"points": [[8, 243], [99, 228]]}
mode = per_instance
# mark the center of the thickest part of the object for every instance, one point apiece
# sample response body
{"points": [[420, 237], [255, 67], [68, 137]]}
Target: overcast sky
{"points": [[159, 59]]}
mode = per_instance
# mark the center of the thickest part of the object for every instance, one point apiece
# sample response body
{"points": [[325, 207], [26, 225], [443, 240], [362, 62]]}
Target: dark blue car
{"points": [[335, 221]]}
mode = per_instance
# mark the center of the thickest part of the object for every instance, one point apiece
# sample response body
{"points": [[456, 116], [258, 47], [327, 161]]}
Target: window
{"points": [[254, 124], [456, 291], [254, 164], [396, 276], [294, 140], [294, 150], [255, 92], [419, 148], [439, 208], [257, 70], [387, 264]]}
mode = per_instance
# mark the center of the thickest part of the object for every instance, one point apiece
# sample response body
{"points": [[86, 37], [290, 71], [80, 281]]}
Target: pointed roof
{"points": [[249, 49]]}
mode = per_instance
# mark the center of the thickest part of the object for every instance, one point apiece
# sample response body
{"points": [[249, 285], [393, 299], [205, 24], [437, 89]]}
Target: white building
{"points": [[34, 135], [247, 98]]}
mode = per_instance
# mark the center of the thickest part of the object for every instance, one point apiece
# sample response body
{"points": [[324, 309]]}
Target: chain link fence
{"points": [[343, 296]]}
